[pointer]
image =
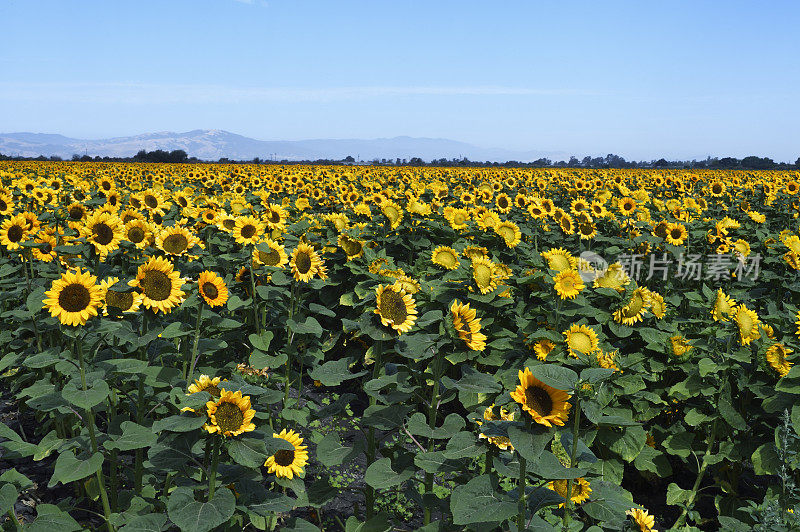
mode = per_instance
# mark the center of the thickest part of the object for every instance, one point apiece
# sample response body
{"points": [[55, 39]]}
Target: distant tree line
{"points": [[611, 160]]}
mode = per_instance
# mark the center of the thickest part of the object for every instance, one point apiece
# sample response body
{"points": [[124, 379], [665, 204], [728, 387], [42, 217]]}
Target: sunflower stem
{"points": [[195, 345], [26, 259], [212, 475], [437, 363], [289, 339], [14, 519], [523, 478], [89, 420], [369, 494], [573, 460], [253, 294], [700, 474]]}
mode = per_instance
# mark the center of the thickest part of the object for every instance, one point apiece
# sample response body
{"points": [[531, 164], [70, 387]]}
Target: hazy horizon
{"points": [[680, 81]]}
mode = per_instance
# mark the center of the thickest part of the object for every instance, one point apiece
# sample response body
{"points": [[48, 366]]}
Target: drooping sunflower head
{"points": [[230, 414], [645, 521], [635, 308], [748, 322], [446, 257], [393, 212], [396, 308], [510, 233], [545, 404], [483, 274], [286, 463], [582, 339], [613, 277], [206, 384], [473, 252], [467, 325], [542, 348], [352, 247], [579, 493], [74, 298], [777, 357], [568, 284], [212, 288], [680, 345]]}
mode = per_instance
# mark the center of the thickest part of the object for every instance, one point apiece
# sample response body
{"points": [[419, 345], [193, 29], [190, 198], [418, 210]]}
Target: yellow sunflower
{"points": [[120, 301], [275, 257], [6, 204], [582, 339], [212, 288], [287, 463], [393, 212], [510, 233], [206, 384], [230, 414], [137, 232], [159, 284], [723, 307], [680, 345], [559, 259], [580, 489], [104, 231], [176, 240], [776, 357], [352, 247], [634, 309], [248, 230], [13, 231], [46, 251], [501, 442], [748, 322], [446, 257], [676, 234], [542, 348], [482, 272], [568, 284], [396, 308], [613, 277], [468, 325], [74, 298], [645, 521], [546, 405], [306, 263]]}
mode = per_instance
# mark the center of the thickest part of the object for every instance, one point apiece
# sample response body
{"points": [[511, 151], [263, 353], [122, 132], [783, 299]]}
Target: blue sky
{"points": [[640, 79]]}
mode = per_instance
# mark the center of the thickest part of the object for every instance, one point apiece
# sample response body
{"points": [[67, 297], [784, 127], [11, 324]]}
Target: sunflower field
{"points": [[358, 348]]}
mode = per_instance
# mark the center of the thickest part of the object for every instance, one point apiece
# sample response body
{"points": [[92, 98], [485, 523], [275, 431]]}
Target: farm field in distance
{"points": [[366, 348]]}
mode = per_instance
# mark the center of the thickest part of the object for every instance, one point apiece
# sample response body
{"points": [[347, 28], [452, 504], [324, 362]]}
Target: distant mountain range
{"points": [[213, 144]]}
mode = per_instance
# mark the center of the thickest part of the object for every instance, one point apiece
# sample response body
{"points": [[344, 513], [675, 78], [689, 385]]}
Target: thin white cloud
{"points": [[149, 93]]}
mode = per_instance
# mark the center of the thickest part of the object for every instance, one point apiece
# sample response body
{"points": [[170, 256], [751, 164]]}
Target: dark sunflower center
{"points": [[103, 234], [74, 298], [3, 205], [210, 290], [212, 390], [393, 307], [229, 417], [503, 203], [271, 258], [675, 233], [175, 243], [135, 234], [76, 213], [121, 300], [157, 218], [539, 400], [46, 248], [112, 200], [248, 231], [15, 233], [182, 201], [303, 262], [156, 285], [284, 457], [229, 224], [151, 201]]}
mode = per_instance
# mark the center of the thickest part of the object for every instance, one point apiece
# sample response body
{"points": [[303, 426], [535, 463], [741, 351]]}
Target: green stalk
{"points": [[253, 295], [700, 474], [139, 456], [195, 345], [14, 519], [573, 460], [290, 338], [437, 363], [523, 480], [369, 494], [212, 475], [93, 438], [25, 260]]}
